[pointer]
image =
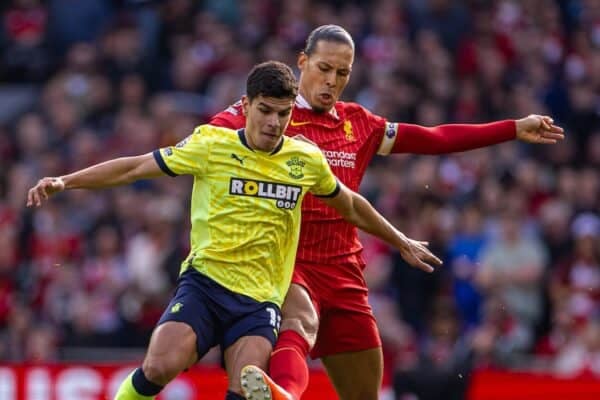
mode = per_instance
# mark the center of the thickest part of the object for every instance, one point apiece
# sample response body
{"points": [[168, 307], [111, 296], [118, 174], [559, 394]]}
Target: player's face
{"points": [[325, 73], [266, 120]]}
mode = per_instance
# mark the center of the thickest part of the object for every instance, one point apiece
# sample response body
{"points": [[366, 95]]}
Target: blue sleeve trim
{"points": [[161, 163], [335, 191]]}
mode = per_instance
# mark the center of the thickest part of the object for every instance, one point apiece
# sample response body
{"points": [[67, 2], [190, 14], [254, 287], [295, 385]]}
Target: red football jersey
{"points": [[349, 142], [350, 139]]}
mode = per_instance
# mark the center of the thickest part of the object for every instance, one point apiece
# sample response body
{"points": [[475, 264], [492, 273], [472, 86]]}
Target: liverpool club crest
{"points": [[348, 131]]}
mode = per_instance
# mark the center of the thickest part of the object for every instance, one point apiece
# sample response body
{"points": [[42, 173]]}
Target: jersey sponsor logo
{"points": [[176, 308], [296, 166], [168, 151], [238, 158], [348, 131], [299, 123], [340, 158], [285, 196]]}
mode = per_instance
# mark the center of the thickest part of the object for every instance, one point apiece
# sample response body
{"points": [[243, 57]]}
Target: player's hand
{"points": [[538, 129], [416, 253], [43, 189]]}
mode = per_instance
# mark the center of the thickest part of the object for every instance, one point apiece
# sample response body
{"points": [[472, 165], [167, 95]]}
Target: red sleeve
{"points": [[452, 137], [232, 117]]}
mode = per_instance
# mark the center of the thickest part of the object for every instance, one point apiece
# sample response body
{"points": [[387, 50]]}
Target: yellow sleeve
{"points": [[327, 185], [188, 157]]}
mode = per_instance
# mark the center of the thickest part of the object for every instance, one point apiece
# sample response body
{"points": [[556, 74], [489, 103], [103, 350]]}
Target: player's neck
{"points": [[302, 103], [250, 144]]}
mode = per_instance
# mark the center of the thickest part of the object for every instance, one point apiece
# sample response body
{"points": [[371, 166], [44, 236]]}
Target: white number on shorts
{"points": [[275, 318]]}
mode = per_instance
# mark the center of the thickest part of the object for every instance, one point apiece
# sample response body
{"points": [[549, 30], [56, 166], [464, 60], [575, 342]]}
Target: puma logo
{"points": [[238, 158]]}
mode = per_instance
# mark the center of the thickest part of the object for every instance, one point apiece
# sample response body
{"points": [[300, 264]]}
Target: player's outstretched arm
{"points": [[115, 172], [358, 211], [450, 138]]}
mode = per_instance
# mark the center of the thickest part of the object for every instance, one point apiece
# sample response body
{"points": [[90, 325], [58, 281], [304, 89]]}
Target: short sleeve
{"points": [[188, 157], [327, 185]]}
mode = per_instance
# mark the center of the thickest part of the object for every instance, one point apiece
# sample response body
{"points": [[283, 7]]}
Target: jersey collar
{"points": [[242, 136], [302, 103]]}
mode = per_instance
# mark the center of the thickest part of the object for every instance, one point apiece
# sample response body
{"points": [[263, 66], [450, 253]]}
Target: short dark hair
{"points": [[271, 79], [329, 33]]}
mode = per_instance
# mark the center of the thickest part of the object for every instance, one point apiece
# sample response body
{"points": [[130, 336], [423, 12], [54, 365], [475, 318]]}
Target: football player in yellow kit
{"points": [[245, 214]]}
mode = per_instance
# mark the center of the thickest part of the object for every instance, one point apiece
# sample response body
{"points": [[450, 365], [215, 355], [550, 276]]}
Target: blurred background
{"points": [[85, 277]]}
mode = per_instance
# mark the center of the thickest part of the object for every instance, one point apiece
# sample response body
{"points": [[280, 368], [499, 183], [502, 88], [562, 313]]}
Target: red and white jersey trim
{"points": [[302, 103]]}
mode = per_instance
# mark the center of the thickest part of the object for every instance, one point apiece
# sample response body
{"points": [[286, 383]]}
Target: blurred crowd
{"points": [[518, 226]]}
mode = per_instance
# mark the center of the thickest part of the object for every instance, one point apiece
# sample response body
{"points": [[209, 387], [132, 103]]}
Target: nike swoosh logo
{"points": [[296, 123]]}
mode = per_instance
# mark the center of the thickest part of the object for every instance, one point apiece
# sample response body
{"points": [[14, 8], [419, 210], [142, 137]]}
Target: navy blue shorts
{"points": [[217, 315]]}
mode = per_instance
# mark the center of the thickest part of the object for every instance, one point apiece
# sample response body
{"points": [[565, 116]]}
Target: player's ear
{"points": [[302, 60], [245, 105]]}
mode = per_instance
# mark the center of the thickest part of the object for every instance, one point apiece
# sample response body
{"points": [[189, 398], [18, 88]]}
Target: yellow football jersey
{"points": [[245, 209]]}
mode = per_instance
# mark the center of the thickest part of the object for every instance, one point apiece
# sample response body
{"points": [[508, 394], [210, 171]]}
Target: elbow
{"points": [[352, 218], [126, 178], [133, 173]]}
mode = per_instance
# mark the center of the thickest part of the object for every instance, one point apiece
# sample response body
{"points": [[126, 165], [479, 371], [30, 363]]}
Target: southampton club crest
{"points": [[296, 166]]}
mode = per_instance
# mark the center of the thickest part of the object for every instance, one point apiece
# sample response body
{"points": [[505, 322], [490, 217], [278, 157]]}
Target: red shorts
{"points": [[346, 321]]}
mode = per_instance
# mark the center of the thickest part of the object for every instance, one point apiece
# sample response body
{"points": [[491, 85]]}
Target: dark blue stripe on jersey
{"points": [[279, 145], [242, 135], [335, 191], [161, 163]]}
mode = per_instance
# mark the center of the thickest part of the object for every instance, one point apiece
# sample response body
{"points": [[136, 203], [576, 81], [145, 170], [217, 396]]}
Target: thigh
{"points": [[300, 314], [254, 350], [249, 338], [356, 375], [172, 349]]}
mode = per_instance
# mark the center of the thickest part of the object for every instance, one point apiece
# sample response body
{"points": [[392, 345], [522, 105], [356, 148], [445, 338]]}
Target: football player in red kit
{"points": [[326, 312]]}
